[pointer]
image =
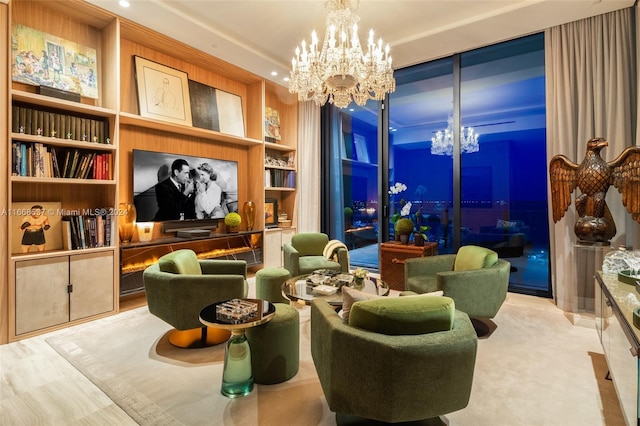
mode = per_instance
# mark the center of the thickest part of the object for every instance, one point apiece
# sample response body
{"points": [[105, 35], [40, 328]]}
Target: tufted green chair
{"points": [[399, 359], [179, 285], [474, 277], [305, 254]]}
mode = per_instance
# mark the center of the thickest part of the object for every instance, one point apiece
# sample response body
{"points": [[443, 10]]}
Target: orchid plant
{"points": [[405, 211], [396, 189]]}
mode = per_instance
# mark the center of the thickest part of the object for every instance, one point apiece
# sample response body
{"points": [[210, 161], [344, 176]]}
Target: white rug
{"points": [[535, 369], [130, 359]]}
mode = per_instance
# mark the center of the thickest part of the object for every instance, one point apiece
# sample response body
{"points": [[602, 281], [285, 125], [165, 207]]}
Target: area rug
{"points": [[537, 368], [129, 357]]}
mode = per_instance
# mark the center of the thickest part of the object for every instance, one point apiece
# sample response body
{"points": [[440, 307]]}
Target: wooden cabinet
{"points": [[116, 41], [55, 290], [61, 285], [392, 257], [620, 339], [273, 242]]}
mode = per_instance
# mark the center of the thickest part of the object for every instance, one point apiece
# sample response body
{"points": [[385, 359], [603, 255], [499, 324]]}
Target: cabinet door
{"points": [[273, 249], [41, 293], [287, 234], [91, 275]]}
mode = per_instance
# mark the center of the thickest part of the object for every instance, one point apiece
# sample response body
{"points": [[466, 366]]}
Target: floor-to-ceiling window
{"points": [[463, 150], [351, 189], [504, 196]]}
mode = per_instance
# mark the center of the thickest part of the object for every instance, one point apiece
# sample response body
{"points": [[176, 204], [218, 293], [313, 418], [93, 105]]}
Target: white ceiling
{"points": [[261, 35]]}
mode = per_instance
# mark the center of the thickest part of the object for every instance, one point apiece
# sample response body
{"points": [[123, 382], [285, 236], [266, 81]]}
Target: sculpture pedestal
{"points": [[588, 261]]}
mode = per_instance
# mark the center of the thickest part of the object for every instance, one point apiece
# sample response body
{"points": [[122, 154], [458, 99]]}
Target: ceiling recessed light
{"points": [[286, 79], [274, 73], [124, 3]]}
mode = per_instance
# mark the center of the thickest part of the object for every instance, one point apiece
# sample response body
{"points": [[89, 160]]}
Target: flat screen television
{"points": [[212, 188]]}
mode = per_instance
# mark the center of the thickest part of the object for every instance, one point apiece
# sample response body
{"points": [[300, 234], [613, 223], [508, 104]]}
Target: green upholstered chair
{"points": [[368, 370], [474, 277], [179, 285], [305, 254]]}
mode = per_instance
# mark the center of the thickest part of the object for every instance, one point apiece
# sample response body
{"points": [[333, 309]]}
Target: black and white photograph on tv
{"points": [[170, 187]]}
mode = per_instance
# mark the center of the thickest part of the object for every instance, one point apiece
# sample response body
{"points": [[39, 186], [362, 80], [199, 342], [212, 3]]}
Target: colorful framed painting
{"points": [[271, 213], [43, 59], [36, 227], [163, 92]]}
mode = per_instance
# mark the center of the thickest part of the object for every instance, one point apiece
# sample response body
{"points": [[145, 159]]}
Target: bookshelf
{"points": [[281, 167], [115, 109]]}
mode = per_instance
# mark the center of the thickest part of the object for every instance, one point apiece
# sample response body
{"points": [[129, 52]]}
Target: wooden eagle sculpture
{"points": [[593, 177]]}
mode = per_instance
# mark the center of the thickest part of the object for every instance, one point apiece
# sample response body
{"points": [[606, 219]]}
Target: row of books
{"points": [[86, 231], [277, 178], [39, 160], [28, 120]]}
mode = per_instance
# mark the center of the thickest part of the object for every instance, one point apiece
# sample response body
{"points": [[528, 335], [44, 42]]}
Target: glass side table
{"points": [[237, 377]]}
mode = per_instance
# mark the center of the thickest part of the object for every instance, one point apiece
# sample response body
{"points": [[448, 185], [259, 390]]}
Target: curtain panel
{"points": [[591, 77], [308, 167]]}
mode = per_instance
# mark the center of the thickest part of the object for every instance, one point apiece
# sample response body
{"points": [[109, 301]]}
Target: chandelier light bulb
{"points": [[341, 72]]}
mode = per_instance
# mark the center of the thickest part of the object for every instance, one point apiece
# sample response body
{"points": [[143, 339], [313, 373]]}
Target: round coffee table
{"points": [[237, 377], [300, 290]]}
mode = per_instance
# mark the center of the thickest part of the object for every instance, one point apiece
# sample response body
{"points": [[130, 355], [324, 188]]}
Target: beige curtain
{"points": [[308, 167], [591, 91]]}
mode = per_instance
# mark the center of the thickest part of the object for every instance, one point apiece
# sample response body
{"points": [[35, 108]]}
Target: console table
{"points": [[392, 257], [135, 257], [620, 339]]}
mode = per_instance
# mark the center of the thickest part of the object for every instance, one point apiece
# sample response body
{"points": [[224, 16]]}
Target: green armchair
{"points": [[305, 254], [179, 285], [474, 277], [376, 375]]}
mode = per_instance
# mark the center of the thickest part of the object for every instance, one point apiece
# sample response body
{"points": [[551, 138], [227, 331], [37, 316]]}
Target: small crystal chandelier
{"points": [[442, 142], [340, 72]]}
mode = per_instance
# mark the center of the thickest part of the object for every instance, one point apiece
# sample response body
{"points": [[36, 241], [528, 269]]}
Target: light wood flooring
{"points": [[39, 387]]}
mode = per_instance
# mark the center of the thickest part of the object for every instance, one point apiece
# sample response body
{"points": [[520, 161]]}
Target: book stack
{"points": [[40, 160], [279, 178], [51, 123], [86, 230]]}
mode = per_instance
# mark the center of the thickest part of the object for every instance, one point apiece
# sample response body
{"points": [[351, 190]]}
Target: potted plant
{"points": [[420, 236], [232, 220], [358, 277], [404, 228]]}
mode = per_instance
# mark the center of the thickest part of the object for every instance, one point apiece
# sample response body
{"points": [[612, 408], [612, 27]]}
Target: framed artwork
{"points": [[36, 227], [271, 213], [360, 144], [163, 92], [230, 113], [271, 125], [215, 109], [43, 59]]}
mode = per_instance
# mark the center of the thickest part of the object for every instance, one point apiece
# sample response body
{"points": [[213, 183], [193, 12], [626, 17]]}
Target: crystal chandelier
{"points": [[442, 142], [340, 71]]}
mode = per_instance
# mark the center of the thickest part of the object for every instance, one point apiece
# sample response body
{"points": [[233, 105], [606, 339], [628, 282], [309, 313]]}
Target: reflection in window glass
{"points": [[501, 171], [504, 195]]}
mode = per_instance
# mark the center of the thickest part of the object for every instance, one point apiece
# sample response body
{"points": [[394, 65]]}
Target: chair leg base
{"points": [[484, 327], [198, 337], [351, 420]]}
